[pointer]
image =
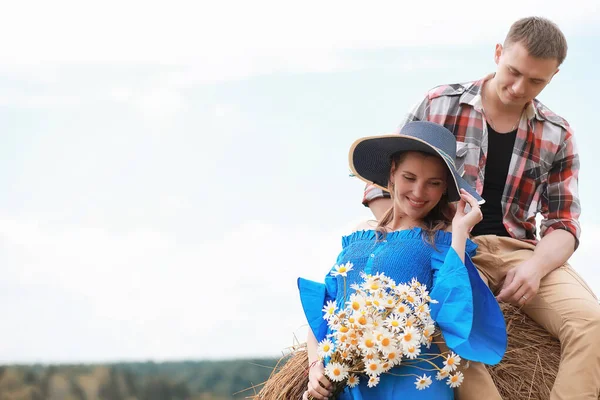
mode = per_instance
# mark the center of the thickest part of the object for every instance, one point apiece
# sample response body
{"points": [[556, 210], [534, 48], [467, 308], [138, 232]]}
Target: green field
{"points": [[193, 380]]}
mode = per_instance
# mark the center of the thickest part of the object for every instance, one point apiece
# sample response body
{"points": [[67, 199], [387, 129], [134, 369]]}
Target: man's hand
{"points": [[521, 283]]}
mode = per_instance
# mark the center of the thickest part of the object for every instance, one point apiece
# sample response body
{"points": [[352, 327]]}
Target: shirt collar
{"points": [[472, 96]]}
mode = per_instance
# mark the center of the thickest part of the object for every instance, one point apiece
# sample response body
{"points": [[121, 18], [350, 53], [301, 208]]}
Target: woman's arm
{"points": [[319, 386], [463, 222]]}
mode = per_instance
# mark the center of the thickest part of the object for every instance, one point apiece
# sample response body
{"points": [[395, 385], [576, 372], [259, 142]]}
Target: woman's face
{"points": [[419, 183]]}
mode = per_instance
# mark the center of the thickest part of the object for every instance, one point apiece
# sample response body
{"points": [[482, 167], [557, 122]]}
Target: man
{"points": [[522, 158]]}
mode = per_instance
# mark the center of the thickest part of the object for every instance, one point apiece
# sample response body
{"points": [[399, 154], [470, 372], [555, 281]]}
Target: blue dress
{"points": [[467, 313]]}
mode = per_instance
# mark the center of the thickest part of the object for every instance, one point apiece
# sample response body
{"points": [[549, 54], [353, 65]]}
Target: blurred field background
{"points": [[189, 380]]}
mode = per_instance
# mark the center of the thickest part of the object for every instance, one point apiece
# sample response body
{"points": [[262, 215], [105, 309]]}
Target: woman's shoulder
{"points": [[366, 225]]}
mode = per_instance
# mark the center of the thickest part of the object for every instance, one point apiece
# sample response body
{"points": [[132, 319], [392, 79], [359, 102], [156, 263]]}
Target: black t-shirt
{"points": [[500, 149]]}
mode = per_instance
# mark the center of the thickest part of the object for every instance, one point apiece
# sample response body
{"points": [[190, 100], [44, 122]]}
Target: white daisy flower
{"points": [[386, 342], [441, 375], [352, 381], [342, 269], [336, 371], [371, 284], [329, 309], [389, 301], [451, 362], [410, 337], [394, 322], [410, 321], [386, 366], [373, 381], [422, 311], [394, 357], [427, 335], [325, 348], [373, 367], [423, 382], [455, 380], [368, 343], [402, 289], [412, 352], [411, 297], [356, 302], [401, 309]]}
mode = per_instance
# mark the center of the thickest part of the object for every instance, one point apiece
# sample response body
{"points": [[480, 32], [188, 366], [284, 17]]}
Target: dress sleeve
{"points": [[467, 312], [313, 296]]}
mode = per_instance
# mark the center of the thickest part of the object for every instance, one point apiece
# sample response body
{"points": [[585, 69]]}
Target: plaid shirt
{"points": [[543, 169]]}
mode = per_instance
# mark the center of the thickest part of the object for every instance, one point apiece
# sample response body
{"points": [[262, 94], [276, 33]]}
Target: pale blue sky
{"points": [[169, 170]]}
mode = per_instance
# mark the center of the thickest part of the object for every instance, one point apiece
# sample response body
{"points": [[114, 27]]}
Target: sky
{"points": [[169, 169]]}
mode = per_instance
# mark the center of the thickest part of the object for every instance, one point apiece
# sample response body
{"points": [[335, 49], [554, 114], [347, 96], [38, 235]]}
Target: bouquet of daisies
{"points": [[381, 325]]}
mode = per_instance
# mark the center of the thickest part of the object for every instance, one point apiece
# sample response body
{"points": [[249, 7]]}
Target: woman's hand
{"points": [[319, 386], [465, 221]]}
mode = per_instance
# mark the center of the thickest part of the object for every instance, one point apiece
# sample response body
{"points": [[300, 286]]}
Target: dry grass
{"points": [[529, 368], [527, 371]]}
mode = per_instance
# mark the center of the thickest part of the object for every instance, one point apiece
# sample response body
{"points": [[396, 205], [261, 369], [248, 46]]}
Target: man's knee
{"points": [[583, 328]]}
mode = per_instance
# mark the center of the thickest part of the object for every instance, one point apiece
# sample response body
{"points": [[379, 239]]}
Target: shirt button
{"points": [[372, 255]]}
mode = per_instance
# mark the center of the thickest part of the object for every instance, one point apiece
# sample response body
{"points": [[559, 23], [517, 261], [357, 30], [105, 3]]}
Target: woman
{"points": [[421, 236]]}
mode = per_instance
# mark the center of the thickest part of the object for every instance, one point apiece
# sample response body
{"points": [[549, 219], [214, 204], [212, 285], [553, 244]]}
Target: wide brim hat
{"points": [[371, 157]]}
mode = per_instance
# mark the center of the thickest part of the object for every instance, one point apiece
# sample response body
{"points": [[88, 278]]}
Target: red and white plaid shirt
{"points": [[543, 170]]}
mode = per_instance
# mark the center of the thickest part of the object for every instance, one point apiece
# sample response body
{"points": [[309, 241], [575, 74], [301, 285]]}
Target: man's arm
{"points": [[560, 228], [561, 206], [522, 282]]}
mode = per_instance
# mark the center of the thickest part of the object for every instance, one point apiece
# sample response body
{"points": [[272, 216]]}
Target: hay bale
{"points": [[527, 371], [529, 368], [289, 377]]}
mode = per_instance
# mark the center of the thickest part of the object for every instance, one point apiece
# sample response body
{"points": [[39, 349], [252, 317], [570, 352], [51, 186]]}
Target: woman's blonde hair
{"points": [[439, 218]]}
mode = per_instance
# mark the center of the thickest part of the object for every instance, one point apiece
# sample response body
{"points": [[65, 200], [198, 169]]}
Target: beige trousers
{"points": [[565, 306]]}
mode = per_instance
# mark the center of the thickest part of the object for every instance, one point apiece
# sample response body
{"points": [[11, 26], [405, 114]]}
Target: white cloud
{"points": [[232, 39], [174, 298], [152, 295]]}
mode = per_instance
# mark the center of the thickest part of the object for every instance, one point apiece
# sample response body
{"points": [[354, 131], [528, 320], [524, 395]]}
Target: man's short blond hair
{"points": [[541, 37]]}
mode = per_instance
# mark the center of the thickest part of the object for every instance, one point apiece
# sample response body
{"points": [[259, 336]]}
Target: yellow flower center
{"points": [[407, 337], [369, 343], [385, 341]]}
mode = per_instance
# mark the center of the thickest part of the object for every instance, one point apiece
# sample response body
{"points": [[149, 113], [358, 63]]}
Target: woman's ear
{"points": [[392, 172]]}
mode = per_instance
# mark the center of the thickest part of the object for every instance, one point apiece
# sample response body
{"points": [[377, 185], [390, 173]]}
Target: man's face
{"points": [[521, 77]]}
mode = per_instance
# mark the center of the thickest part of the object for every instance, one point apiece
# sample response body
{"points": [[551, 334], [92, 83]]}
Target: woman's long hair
{"points": [[439, 218]]}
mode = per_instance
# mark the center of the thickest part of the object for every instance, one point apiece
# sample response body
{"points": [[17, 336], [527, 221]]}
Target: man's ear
{"points": [[498, 53]]}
